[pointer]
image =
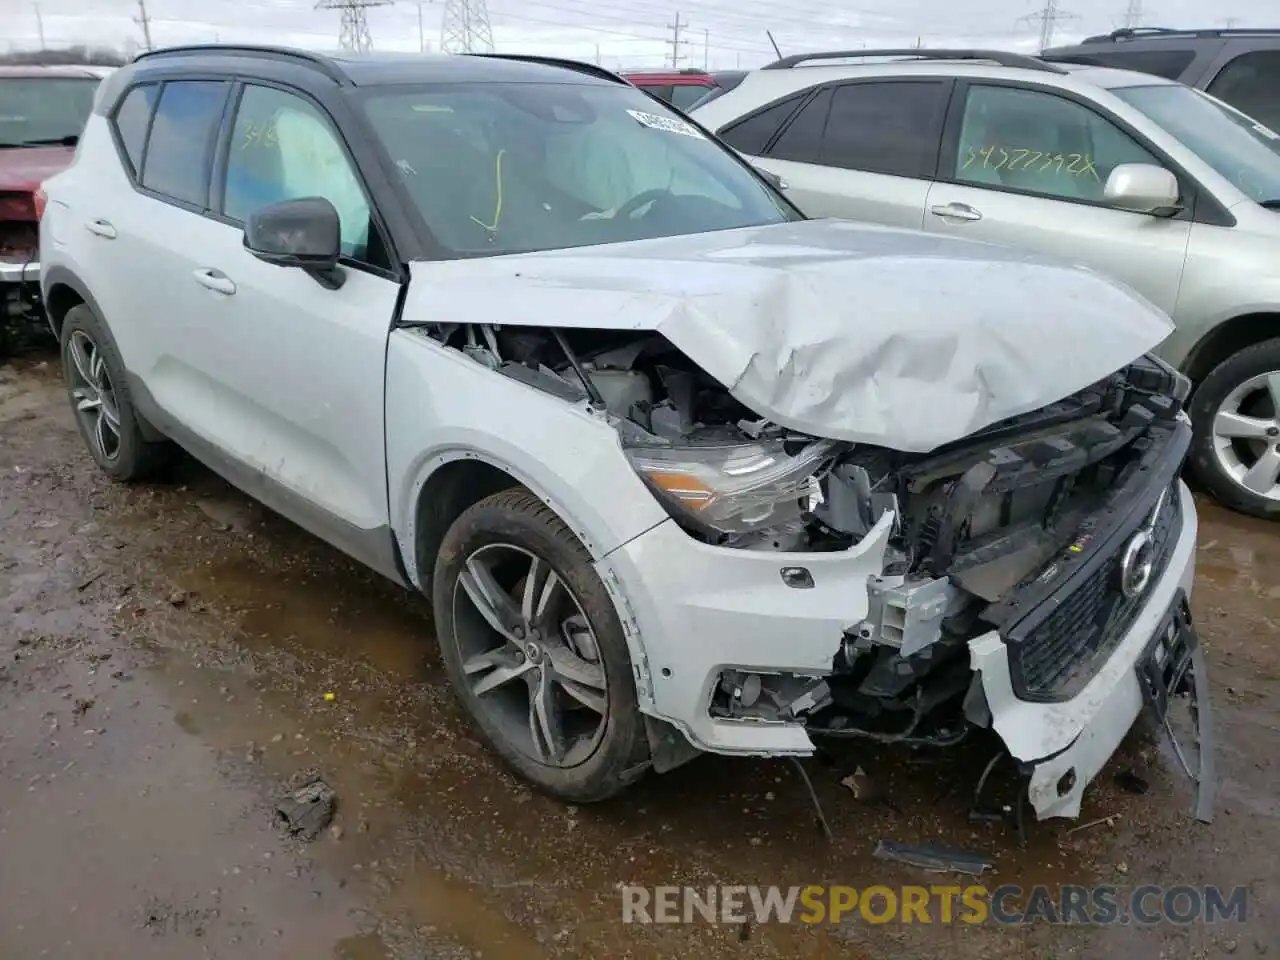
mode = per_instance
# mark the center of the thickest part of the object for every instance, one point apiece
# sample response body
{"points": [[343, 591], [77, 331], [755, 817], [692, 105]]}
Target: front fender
{"points": [[443, 407]]}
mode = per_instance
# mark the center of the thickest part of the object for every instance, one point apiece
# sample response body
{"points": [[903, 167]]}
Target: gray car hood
{"points": [[840, 330]]}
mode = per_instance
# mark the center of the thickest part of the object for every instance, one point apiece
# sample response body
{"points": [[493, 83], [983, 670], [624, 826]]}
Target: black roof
{"points": [[377, 69]]}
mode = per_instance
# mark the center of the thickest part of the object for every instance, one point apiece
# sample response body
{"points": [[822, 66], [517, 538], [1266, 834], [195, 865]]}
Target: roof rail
{"points": [[580, 66], [1142, 33], [319, 61], [1003, 57]]}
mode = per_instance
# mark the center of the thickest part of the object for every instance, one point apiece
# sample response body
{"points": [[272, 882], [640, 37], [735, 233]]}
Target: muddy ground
{"points": [[165, 655]]}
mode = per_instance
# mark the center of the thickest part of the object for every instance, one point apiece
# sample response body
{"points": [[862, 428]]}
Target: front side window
{"points": [[1240, 148], [180, 147], [504, 168], [887, 126], [44, 111], [1040, 143], [283, 148], [1250, 83]]}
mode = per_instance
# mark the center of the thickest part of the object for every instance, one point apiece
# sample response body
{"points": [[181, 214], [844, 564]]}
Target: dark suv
{"points": [[1240, 67]]}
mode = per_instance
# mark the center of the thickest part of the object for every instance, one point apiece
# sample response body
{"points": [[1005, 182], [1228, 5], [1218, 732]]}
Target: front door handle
{"points": [[101, 228], [956, 211], [215, 280]]}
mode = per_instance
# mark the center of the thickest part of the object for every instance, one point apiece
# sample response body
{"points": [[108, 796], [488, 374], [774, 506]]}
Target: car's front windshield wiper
{"points": [[68, 141], [1270, 204]]}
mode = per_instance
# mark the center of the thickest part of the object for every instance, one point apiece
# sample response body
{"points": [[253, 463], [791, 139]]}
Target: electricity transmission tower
{"points": [[144, 21], [1133, 15], [1047, 17], [354, 33], [465, 28]]}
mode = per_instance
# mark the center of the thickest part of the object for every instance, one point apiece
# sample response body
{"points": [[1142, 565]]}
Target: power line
{"points": [[353, 33], [465, 27], [1048, 17]]}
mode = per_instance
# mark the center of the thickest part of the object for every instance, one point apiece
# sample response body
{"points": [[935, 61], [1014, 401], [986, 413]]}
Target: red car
{"points": [[42, 112], [683, 88]]}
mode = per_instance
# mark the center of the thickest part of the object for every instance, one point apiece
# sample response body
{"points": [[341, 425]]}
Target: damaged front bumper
{"points": [[1065, 743], [701, 613]]}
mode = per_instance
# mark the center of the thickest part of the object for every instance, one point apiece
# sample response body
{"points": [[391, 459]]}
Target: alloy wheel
{"points": [[93, 395], [529, 655]]}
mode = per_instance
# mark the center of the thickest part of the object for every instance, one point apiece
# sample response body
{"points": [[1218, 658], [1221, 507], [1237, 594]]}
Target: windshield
{"points": [[1235, 145], [506, 168], [44, 110]]}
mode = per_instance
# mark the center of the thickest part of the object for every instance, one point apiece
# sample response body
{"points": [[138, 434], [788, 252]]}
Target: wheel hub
{"points": [[1246, 427]]}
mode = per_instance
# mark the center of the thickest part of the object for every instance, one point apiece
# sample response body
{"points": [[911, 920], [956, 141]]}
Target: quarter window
{"points": [[801, 139], [283, 148], [885, 127], [752, 134], [1040, 143], [132, 119], [181, 142], [1249, 83]]}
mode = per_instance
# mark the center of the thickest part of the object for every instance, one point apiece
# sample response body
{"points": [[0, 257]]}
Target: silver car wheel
{"points": [[1246, 435], [94, 396], [529, 655]]}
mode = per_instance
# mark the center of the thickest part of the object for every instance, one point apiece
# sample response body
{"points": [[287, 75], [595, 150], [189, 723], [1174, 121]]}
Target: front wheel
{"points": [[535, 651], [1236, 415]]}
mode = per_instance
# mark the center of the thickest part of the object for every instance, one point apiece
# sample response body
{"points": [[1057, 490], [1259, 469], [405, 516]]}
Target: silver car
{"points": [[1163, 187]]}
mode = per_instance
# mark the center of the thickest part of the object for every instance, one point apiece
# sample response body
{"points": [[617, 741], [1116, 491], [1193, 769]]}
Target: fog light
{"points": [[798, 577]]}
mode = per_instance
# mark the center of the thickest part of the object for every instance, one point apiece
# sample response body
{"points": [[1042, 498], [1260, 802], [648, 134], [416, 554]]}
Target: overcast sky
{"points": [[726, 33]]}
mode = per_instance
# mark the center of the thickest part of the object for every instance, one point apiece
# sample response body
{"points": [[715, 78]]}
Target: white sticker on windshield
{"points": [[1266, 131], [669, 124]]}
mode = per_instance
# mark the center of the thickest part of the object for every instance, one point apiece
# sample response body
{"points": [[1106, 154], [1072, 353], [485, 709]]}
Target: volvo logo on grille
{"points": [[1137, 563]]}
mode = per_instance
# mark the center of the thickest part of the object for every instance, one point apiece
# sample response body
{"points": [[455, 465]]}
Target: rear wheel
{"points": [[100, 399], [535, 651], [1236, 415]]}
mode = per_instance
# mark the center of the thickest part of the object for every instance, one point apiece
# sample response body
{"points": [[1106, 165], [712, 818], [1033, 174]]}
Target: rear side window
{"points": [[801, 139], [885, 127], [1169, 64], [180, 147], [1251, 84], [685, 95], [132, 119], [660, 90], [752, 134]]}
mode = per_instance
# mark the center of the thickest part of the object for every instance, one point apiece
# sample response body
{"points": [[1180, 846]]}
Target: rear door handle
{"points": [[215, 280], [101, 228], [956, 211]]}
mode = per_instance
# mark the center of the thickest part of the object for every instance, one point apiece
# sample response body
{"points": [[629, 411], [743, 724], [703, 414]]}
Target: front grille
{"points": [[1058, 656]]}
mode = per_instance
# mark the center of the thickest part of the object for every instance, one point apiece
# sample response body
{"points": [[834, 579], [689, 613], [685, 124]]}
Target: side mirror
{"points": [[1143, 188], [777, 181], [304, 233]]}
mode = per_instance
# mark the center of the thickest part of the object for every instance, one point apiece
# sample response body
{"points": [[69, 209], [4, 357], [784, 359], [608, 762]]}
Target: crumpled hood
{"points": [[25, 168], [840, 330]]}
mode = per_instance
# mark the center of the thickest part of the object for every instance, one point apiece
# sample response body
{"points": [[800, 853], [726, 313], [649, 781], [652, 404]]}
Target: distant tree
{"points": [[79, 55]]}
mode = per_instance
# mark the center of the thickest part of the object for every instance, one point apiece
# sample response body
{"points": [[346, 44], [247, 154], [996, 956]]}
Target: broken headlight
{"points": [[734, 488]]}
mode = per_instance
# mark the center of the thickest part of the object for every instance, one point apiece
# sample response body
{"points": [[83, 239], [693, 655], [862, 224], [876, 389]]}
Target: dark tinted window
{"points": [[801, 139], [132, 119], [181, 142], [1251, 84], [889, 127], [753, 134], [659, 90], [685, 95], [1163, 63], [41, 110]]}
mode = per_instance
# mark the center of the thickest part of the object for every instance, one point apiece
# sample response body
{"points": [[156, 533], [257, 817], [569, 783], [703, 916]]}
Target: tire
{"points": [[500, 530], [1225, 387], [100, 374]]}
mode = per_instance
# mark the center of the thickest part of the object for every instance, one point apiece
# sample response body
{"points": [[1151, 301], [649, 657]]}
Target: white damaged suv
{"points": [[681, 470]]}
